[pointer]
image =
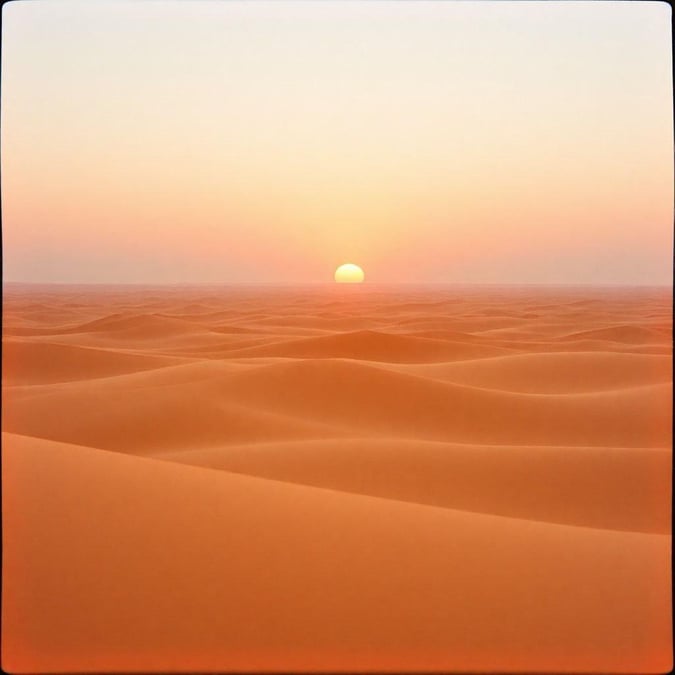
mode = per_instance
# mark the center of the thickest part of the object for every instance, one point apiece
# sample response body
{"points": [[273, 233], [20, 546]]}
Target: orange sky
{"points": [[190, 141]]}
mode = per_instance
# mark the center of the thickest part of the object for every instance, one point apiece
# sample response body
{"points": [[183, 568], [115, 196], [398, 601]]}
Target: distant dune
{"points": [[374, 346], [44, 362], [554, 372], [336, 479]]}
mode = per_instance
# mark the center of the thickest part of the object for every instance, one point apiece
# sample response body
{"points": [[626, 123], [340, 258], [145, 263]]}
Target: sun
{"points": [[349, 274]]}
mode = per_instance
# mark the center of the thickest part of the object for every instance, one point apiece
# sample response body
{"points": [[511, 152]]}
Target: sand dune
{"points": [[137, 326], [220, 404], [321, 479], [448, 335], [342, 392], [374, 346], [137, 413], [154, 341], [331, 323], [327, 581], [554, 372], [556, 484], [629, 334], [42, 362]]}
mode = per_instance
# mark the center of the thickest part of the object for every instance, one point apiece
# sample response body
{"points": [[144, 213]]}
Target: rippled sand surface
{"points": [[338, 478]]}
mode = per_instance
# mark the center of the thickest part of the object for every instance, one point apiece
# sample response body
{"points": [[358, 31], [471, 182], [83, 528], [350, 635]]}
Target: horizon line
{"points": [[585, 284]]}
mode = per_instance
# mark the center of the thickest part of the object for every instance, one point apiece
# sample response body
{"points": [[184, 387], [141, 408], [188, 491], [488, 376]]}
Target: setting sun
{"points": [[349, 274]]}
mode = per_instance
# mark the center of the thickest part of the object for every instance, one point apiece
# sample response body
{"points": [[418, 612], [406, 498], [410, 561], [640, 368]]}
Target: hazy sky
{"points": [[446, 141]]}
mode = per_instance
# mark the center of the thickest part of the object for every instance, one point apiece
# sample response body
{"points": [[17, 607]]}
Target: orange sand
{"points": [[344, 478]]}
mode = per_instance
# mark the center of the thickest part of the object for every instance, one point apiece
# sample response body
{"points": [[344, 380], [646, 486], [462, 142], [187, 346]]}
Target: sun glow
{"points": [[349, 274]]}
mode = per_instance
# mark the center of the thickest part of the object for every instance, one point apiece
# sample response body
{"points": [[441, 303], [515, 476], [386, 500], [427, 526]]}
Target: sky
{"points": [[446, 141]]}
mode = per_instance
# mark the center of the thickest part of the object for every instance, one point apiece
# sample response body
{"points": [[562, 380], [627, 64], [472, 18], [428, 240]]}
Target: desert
{"points": [[322, 478]]}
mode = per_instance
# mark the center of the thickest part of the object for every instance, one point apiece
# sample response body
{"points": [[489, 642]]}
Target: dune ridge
{"points": [[525, 482], [331, 393], [322, 479]]}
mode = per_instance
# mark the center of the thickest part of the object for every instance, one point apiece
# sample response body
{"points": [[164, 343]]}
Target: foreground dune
{"points": [[336, 479], [212, 565]]}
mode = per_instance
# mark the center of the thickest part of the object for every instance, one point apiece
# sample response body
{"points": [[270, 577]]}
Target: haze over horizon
{"points": [[428, 142], [332, 284]]}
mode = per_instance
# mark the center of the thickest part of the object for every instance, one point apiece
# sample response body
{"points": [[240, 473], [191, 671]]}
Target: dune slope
{"points": [[325, 580]]}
